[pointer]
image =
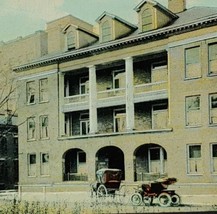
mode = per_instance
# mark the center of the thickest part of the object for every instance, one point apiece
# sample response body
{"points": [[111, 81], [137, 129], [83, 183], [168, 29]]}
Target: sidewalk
{"points": [[112, 205]]}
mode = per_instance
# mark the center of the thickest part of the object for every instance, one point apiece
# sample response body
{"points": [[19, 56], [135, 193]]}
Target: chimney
{"points": [[177, 6]]}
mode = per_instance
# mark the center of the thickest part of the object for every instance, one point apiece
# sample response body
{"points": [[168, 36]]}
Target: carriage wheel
{"points": [[175, 200], [164, 199], [148, 200], [102, 191], [136, 199]]}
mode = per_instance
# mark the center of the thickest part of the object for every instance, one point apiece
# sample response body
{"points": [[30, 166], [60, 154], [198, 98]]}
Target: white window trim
{"points": [[188, 158], [211, 159]]}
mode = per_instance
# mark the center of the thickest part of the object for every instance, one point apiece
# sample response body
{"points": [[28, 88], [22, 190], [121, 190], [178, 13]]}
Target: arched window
{"points": [[70, 40], [106, 31], [146, 19]]}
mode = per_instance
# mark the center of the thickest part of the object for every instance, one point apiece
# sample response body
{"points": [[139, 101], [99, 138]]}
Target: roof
{"points": [[157, 5], [116, 18], [191, 19]]}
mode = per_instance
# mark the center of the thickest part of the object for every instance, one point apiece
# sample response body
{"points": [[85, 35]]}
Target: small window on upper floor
{"points": [[213, 109], [147, 19], [70, 40], [213, 59], [193, 111], [119, 79], [214, 158], [43, 90], [192, 63], [106, 31], [194, 159], [30, 92]]}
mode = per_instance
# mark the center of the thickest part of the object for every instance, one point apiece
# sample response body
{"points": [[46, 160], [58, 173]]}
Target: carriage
{"points": [[108, 181], [146, 193]]}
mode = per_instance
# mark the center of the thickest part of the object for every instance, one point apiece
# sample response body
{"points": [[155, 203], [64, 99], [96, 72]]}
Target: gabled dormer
{"points": [[152, 15], [112, 27], [77, 37], [68, 33]]}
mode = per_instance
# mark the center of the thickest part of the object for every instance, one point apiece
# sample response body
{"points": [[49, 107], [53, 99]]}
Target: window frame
{"points": [[119, 114], [189, 77], [28, 92], [187, 112], [32, 165], [147, 19], [106, 29], [209, 59], [70, 40], [41, 117], [211, 110], [84, 119], [28, 129], [212, 170], [43, 90], [189, 172], [44, 164]]}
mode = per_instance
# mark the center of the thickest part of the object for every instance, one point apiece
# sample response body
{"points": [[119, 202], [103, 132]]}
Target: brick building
{"points": [[139, 98]]}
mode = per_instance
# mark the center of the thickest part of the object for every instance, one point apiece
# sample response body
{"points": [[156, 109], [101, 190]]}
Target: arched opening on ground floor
{"points": [[110, 157], [74, 165], [150, 162]]}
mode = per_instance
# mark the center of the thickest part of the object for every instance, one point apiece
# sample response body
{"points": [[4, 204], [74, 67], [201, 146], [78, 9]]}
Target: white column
{"points": [[129, 94], [61, 102], [92, 100]]}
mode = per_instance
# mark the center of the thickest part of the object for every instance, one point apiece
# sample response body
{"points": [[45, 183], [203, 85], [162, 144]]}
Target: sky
{"points": [[24, 17]]}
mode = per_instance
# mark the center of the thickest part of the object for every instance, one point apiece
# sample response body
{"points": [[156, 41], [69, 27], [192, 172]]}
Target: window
{"points": [[147, 19], [43, 90], [84, 124], [193, 112], [70, 40], [157, 160], [214, 158], [3, 146], [213, 109], [160, 116], [44, 126], [119, 79], [119, 120], [194, 159], [31, 128], [212, 59], [31, 165], [106, 32], [30, 90], [81, 157], [45, 164], [192, 62], [84, 85]]}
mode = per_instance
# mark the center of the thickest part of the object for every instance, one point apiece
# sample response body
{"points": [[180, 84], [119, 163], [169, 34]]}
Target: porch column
{"points": [[61, 102], [129, 94], [92, 100]]}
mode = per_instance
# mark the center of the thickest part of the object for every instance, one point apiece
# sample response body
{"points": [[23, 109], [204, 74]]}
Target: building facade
{"points": [[138, 98]]}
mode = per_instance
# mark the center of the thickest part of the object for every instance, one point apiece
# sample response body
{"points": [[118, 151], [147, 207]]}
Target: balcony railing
{"points": [[120, 92], [75, 177], [148, 87], [111, 93], [76, 98]]}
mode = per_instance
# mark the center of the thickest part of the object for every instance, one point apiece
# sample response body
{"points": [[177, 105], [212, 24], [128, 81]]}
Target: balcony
{"points": [[149, 87]]}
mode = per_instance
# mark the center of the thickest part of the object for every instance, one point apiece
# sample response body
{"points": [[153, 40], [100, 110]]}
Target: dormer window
{"points": [[147, 19], [70, 40], [106, 31]]}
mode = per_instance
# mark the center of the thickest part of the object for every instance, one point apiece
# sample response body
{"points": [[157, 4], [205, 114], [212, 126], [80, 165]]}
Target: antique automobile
{"points": [[146, 193], [107, 182]]}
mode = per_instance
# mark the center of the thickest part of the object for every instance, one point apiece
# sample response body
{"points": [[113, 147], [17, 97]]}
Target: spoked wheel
{"points": [[102, 191], [175, 200], [147, 200], [136, 199], [164, 199]]}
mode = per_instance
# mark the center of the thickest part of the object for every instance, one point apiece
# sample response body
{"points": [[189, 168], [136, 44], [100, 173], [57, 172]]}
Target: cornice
{"points": [[121, 43]]}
